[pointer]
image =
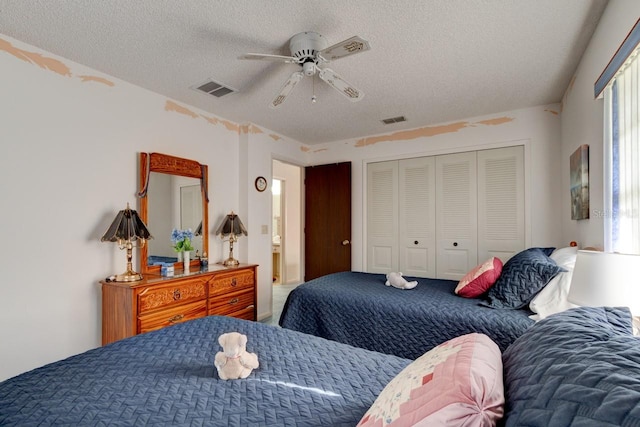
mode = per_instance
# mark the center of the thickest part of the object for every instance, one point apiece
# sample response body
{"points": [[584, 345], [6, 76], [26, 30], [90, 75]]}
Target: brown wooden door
{"points": [[327, 241]]}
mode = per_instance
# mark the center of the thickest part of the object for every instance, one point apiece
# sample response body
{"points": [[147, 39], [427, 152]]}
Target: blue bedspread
{"points": [[580, 367], [358, 309], [167, 377]]}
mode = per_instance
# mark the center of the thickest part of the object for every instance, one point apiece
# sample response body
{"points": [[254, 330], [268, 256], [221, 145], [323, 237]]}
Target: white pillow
{"points": [[565, 257], [553, 297]]}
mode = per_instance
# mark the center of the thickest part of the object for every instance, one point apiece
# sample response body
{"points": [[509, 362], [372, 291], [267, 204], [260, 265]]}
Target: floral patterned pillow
{"points": [[457, 383]]}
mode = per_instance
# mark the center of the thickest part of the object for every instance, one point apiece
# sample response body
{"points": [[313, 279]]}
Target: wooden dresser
{"points": [[155, 302]]}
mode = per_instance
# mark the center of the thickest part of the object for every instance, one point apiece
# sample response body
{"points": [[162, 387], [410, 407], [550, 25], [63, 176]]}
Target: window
{"points": [[622, 157]]}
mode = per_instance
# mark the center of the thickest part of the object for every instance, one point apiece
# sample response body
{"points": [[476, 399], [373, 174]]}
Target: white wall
{"points": [[582, 119], [538, 128], [70, 139]]}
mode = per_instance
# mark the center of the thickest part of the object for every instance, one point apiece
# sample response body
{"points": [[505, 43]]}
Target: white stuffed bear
{"points": [[234, 361], [397, 281]]}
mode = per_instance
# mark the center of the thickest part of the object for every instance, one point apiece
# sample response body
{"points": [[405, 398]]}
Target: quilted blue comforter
{"points": [[167, 377], [580, 367], [358, 309]]}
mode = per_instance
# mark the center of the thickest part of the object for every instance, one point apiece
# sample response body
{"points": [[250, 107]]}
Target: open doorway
{"points": [[286, 230], [286, 233], [278, 231]]}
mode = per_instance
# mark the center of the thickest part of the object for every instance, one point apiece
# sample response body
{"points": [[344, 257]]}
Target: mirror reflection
{"points": [[175, 202]]}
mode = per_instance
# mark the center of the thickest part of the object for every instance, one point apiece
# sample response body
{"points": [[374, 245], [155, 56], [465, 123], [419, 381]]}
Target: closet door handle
{"points": [[455, 243], [415, 242]]}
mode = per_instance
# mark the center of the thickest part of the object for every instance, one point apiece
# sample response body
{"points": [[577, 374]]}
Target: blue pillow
{"points": [[522, 277]]}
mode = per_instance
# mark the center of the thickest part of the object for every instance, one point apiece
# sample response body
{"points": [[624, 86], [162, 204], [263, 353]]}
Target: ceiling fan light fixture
{"points": [[308, 50], [309, 68]]}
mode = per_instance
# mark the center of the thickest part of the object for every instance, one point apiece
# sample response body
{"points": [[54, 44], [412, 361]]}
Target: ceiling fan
{"points": [[309, 50]]}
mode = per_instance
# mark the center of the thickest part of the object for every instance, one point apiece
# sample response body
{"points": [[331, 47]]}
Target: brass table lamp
{"points": [[126, 228], [231, 226]]}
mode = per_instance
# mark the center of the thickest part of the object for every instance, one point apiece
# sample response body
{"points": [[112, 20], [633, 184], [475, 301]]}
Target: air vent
{"points": [[214, 88], [394, 120]]}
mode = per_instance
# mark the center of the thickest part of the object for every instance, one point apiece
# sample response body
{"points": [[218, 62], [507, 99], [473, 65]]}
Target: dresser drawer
{"points": [[246, 314], [232, 281], [172, 294], [172, 316], [231, 302]]}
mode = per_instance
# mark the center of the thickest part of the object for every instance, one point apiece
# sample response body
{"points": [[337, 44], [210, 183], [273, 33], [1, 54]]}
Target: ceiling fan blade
{"points": [[287, 88], [267, 57], [344, 48], [341, 85]]}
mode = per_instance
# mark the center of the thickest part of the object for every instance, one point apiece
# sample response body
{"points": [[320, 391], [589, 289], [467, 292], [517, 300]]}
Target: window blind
{"points": [[622, 158]]}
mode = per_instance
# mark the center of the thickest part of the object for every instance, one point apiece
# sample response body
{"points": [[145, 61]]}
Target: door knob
{"points": [[345, 242], [455, 243]]}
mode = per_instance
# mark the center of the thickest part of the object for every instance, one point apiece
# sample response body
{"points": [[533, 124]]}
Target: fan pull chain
{"points": [[313, 85]]}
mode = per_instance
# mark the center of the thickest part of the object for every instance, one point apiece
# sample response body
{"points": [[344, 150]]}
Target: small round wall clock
{"points": [[261, 183]]}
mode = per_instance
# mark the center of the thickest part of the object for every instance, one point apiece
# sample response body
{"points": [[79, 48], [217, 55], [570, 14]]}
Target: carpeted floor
{"points": [[280, 293]]}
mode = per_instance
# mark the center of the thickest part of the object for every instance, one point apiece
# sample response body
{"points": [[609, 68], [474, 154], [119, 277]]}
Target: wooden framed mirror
{"points": [[173, 194]]}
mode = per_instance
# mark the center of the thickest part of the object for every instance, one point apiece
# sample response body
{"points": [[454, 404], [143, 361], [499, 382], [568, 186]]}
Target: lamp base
{"points": [[230, 262], [128, 276]]}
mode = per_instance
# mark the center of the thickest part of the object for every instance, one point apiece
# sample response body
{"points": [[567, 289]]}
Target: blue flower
{"points": [[181, 240]]}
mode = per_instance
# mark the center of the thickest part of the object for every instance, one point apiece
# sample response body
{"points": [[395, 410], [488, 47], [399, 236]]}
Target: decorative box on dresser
{"points": [[131, 308]]}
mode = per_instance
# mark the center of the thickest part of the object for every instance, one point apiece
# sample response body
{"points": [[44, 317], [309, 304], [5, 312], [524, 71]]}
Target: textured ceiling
{"points": [[432, 61]]}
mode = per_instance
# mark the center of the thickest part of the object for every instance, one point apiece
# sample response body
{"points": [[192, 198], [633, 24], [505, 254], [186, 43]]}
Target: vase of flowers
{"points": [[181, 240]]}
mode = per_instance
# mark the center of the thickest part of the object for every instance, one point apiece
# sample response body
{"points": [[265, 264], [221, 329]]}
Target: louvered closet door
{"points": [[417, 217], [500, 202], [456, 215], [382, 217]]}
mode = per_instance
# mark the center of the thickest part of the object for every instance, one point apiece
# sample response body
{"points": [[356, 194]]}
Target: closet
{"points": [[439, 216]]}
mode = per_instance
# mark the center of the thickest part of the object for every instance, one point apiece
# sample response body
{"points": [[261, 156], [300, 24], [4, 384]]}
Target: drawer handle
{"points": [[234, 301], [176, 318], [234, 282], [176, 295]]}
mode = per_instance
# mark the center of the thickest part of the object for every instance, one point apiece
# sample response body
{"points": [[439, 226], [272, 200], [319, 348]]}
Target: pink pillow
{"points": [[458, 383], [480, 279]]}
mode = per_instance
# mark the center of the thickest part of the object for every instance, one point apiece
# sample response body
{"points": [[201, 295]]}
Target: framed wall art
{"points": [[579, 181]]}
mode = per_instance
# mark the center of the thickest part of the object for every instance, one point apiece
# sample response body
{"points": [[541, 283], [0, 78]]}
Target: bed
{"points": [[580, 367], [358, 309], [167, 377]]}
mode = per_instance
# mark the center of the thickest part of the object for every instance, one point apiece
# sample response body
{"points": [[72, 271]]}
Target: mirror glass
{"points": [[173, 195], [174, 202]]}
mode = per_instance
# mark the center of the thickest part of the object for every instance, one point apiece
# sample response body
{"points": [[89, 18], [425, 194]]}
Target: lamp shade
{"points": [[606, 279], [126, 226], [231, 225]]}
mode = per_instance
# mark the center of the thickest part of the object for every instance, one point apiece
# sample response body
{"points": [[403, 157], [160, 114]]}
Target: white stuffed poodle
{"points": [[397, 281], [234, 361]]}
